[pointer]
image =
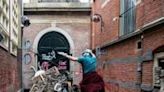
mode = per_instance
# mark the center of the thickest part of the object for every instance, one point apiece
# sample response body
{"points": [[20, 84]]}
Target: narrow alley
{"points": [[81, 45]]}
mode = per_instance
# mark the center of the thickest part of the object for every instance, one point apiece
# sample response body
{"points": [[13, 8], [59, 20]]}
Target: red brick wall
{"points": [[78, 30], [154, 39], [119, 70], [76, 24], [9, 72], [147, 73], [119, 63], [108, 12], [146, 12]]}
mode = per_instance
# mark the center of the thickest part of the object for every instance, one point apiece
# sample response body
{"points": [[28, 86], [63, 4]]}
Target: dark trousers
{"points": [[92, 82]]}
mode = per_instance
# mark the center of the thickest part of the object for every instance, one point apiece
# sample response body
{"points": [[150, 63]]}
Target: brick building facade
{"points": [[9, 72], [129, 58], [70, 20], [9, 30]]}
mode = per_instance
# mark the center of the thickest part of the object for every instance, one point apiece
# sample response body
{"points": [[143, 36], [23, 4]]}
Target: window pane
{"points": [[127, 13]]}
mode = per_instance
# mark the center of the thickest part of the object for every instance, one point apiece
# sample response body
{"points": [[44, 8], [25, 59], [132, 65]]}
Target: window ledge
{"points": [[13, 54], [57, 7], [3, 47]]}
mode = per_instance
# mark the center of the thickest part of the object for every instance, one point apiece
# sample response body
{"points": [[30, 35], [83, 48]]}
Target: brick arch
{"points": [[52, 29], [159, 49], [158, 55]]}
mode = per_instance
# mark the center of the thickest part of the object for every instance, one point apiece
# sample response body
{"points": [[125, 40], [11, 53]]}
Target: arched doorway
{"points": [[48, 46], [158, 69]]}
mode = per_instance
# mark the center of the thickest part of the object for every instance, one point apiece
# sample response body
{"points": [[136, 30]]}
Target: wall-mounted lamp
{"points": [[1, 37], [98, 18], [25, 21]]}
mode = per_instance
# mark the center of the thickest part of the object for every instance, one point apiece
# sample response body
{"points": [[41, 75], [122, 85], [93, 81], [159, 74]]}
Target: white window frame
{"points": [[156, 58]]}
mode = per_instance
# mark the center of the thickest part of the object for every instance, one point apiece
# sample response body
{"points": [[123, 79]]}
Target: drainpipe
{"points": [[140, 64], [24, 22], [19, 54], [98, 18], [139, 75], [20, 43]]}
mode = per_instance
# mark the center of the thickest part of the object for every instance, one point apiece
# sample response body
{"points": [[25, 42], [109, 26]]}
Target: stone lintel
{"points": [[74, 6]]}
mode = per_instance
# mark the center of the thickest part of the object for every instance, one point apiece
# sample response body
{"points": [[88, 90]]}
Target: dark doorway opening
{"points": [[49, 45], [161, 63]]}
